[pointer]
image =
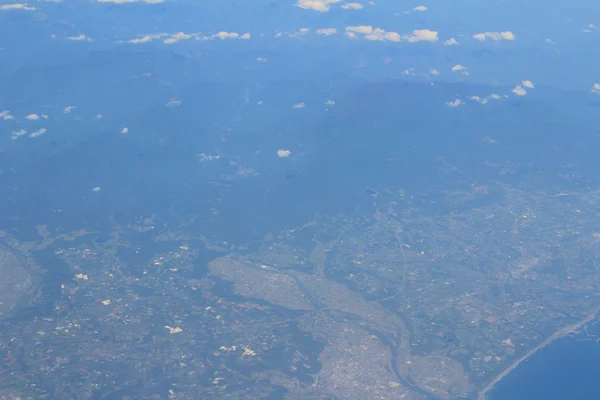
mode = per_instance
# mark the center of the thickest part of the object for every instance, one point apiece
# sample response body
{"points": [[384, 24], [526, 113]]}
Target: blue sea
{"points": [[567, 369]]}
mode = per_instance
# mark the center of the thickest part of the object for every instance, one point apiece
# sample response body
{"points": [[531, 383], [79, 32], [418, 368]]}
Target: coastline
{"points": [[557, 335]]}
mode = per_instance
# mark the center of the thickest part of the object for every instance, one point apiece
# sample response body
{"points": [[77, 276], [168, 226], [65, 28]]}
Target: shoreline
{"points": [[557, 335]]}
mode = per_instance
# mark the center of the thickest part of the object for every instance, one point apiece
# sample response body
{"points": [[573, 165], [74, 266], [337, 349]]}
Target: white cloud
{"points": [[420, 8], [68, 109], [362, 29], [330, 103], [147, 38], [460, 68], [595, 88], [519, 90], [422, 35], [131, 1], [99, 116], [494, 36], [380, 34], [371, 33], [37, 133], [528, 84], [352, 6], [299, 105], [80, 38], [33, 117], [283, 153], [434, 71], [480, 100], [245, 36], [484, 100], [327, 31], [450, 42], [124, 130], [18, 6], [226, 35], [176, 37], [392, 36], [454, 103], [18, 134], [261, 59], [317, 5], [6, 115]]}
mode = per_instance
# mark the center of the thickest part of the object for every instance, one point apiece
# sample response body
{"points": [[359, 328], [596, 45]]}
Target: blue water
{"points": [[567, 369]]}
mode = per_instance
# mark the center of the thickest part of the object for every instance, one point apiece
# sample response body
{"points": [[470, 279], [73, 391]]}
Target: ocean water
{"points": [[567, 369]]}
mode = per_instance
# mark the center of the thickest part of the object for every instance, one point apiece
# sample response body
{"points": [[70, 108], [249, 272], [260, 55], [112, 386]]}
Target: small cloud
{"points": [[176, 37], [283, 153], [392, 36], [372, 34], [99, 116], [420, 8], [147, 38], [422, 35], [494, 36], [18, 134], [362, 29], [6, 115], [299, 105], [316, 5], [124, 130], [410, 71], [485, 100], [528, 84], [261, 59], [380, 34], [14, 7], [79, 38], [352, 6], [37, 133], [245, 36], [68, 109], [330, 103], [327, 31], [460, 68], [173, 103], [480, 100], [596, 88], [454, 103], [519, 90], [226, 35], [33, 117], [434, 71], [450, 42], [97, 189]]}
